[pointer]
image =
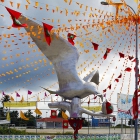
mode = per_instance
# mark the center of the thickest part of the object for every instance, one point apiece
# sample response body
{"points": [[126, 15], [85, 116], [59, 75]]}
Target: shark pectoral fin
{"points": [[62, 105], [92, 77], [101, 96], [97, 113], [51, 92]]}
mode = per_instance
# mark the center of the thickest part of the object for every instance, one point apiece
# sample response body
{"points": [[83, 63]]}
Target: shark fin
{"points": [[51, 92], [92, 77]]}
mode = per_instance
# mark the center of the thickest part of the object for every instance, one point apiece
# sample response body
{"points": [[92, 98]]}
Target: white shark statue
{"points": [[64, 57]]}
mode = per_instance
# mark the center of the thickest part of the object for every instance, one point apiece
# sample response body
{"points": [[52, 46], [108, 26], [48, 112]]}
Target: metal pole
{"points": [[125, 125], [121, 125], [46, 121], [136, 72], [136, 82], [136, 67], [36, 119], [88, 120], [109, 127]]}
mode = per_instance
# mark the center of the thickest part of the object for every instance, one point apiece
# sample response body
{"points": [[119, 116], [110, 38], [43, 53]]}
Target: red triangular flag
{"points": [[117, 80], [17, 95], [121, 55], [45, 94], [135, 106], [104, 95], [47, 29], [109, 86], [95, 97], [106, 53], [29, 92], [15, 15], [130, 57], [128, 69], [3, 93], [120, 76], [71, 38], [104, 90], [108, 50], [134, 60], [95, 45]]}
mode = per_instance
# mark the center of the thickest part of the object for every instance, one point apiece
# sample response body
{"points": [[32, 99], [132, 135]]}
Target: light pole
{"points": [[136, 67], [46, 120]]}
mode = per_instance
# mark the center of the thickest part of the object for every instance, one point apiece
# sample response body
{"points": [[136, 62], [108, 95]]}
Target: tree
{"points": [[5, 98], [32, 120], [14, 117], [3, 112], [38, 117], [85, 123], [60, 113]]}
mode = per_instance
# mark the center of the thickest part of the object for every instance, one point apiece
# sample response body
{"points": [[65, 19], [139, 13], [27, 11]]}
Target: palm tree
{"points": [[5, 98], [14, 117]]}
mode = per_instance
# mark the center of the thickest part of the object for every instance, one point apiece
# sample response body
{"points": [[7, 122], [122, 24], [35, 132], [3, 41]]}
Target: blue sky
{"points": [[29, 71]]}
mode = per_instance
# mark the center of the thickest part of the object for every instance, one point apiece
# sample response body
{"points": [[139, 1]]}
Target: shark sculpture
{"points": [[64, 57]]}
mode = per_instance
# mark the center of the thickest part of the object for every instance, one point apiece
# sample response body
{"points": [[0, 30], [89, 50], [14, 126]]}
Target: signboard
{"points": [[124, 106], [4, 122], [19, 104], [93, 108]]}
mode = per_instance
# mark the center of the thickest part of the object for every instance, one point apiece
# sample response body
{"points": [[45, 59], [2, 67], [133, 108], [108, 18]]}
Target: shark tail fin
{"points": [[92, 77], [51, 92]]}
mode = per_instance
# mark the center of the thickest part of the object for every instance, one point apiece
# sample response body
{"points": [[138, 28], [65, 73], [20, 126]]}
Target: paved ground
{"points": [[84, 130]]}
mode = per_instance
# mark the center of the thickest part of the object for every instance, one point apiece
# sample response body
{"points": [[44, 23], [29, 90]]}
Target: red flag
{"points": [[106, 53], [29, 92], [95, 97], [128, 69], [45, 94], [65, 124], [53, 114], [71, 38], [95, 45], [17, 94], [3, 93], [121, 55], [76, 124], [104, 90], [15, 15], [117, 80], [108, 50], [134, 60], [109, 86], [47, 29], [120, 76], [135, 105], [130, 57]]}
